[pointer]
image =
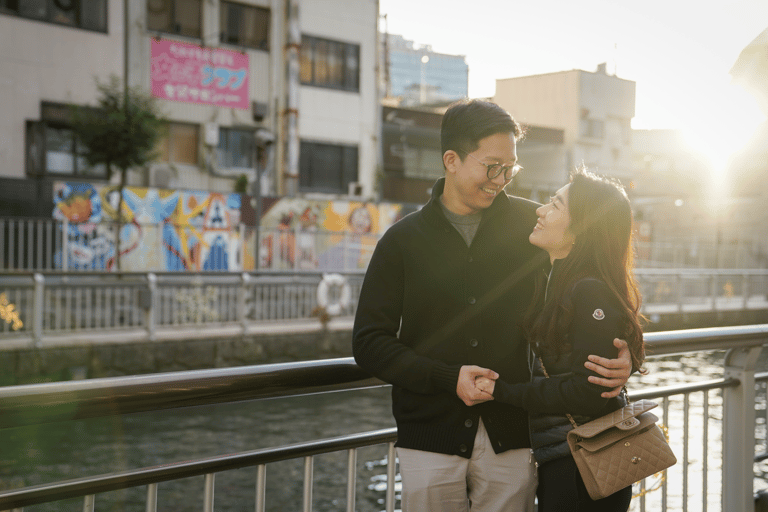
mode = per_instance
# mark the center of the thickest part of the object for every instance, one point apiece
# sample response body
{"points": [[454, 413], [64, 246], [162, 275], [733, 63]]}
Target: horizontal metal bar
{"points": [[57, 401], [44, 403], [210, 465], [710, 338], [144, 476], [684, 388]]}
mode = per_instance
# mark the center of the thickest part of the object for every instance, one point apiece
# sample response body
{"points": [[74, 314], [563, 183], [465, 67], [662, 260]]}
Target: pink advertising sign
{"points": [[190, 73]]}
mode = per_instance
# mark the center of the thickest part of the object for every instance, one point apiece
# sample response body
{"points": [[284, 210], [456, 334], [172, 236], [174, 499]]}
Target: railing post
{"points": [[739, 430], [351, 478], [242, 305], [151, 498], [37, 315], [210, 480], [150, 306], [389, 500], [261, 486], [308, 481], [65, 245]]}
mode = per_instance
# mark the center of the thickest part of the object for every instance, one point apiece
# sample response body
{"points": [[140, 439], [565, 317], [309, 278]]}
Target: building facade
{"points": [[418, 75], [226, 74], [594, 110]]}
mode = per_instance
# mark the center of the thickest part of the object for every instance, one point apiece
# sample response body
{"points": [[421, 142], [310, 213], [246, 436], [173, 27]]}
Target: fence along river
{"points": [[59, 451]]}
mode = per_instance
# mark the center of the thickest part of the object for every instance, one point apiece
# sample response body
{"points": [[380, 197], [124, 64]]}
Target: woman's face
{"points": [[552, 232]]}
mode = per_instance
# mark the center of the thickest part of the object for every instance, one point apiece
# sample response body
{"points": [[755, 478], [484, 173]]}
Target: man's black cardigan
{"points": [[430, 304]]}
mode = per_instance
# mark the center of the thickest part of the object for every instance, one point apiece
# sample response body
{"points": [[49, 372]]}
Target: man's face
{"points": [[468, 189]]}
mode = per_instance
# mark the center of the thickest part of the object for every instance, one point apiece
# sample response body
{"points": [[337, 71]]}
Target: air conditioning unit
{"points": [[355, 189]]}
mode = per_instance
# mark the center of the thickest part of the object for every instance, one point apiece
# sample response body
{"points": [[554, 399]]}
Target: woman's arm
{"points": [[597, 320]]}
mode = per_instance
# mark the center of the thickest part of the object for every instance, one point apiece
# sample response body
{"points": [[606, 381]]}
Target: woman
{"points": [[589, 299]]}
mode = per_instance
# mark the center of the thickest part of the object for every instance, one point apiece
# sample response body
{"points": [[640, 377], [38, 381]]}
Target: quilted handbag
{"points": [[619, 449]]}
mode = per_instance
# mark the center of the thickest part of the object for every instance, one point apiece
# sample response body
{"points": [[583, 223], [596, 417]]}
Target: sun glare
{"points": [[723, 126]]}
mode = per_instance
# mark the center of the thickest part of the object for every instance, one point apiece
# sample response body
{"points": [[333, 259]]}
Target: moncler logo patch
{"points": [[598, 314]]}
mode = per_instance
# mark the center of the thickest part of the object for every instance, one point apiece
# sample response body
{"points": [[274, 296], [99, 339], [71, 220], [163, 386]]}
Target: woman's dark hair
{"points": [[467, 122], [601, 222]]}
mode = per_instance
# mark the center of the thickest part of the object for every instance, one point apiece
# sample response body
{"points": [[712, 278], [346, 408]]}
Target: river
{"points": [[47, 453]]}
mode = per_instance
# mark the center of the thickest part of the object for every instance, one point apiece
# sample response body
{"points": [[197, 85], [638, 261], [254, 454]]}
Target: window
{"points": [[181, 17], [244, 25], [423, 163], [180, 144], [86, 14], [331, 64], [327, 167], [53, 150], [236, 148], [592, 128]]}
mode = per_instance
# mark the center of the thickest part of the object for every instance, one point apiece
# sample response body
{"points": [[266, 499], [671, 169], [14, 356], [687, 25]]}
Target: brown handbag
{"points": [[619, 449]]}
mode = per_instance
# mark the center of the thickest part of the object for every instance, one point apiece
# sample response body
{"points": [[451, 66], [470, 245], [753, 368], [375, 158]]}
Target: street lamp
{"points": [[423, 88]]}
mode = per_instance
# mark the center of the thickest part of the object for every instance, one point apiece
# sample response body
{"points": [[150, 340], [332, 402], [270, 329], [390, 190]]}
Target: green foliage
{"points": [[241, 184], [123, 130]]}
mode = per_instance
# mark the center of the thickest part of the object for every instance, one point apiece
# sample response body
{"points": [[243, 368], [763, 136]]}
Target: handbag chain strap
{"points": [[544, 369]]}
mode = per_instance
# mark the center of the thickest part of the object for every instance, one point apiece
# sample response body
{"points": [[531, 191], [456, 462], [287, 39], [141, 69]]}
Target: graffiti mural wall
{"points": [[163, 230], [312, 234], [179, 230]]}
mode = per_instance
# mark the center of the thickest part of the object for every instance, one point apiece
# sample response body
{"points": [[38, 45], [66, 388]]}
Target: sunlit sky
{"points": [[679, 52]]}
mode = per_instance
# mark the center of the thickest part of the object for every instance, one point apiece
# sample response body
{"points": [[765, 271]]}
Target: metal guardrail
{"points": [[156, 305], [37, 404]]}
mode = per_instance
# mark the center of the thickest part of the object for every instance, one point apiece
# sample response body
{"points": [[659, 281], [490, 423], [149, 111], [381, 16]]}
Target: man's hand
{"points": [[467, 389], [616, 372], [485, 384]]}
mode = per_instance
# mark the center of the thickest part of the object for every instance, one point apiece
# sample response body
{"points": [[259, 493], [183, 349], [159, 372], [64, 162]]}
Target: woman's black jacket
{"points": [[597, 320]]}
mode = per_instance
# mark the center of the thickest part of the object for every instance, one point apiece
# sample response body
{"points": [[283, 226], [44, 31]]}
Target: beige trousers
{"points": [[487, 482]]}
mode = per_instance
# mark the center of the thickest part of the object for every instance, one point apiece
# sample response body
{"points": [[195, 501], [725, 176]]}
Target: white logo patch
{"points": [[598, 314]]}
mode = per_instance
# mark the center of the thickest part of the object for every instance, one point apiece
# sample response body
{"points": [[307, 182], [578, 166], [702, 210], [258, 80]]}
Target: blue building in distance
{"points": [[419, 75]]}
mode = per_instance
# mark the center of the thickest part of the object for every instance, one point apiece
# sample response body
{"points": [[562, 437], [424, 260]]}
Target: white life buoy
{"points": [[341, 293]]}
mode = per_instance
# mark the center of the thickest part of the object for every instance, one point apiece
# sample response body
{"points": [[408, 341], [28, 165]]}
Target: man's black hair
{"points": [[467, 122]]}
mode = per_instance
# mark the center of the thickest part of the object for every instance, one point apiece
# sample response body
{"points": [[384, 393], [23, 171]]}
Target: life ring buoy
{"points": [[341, 293]]}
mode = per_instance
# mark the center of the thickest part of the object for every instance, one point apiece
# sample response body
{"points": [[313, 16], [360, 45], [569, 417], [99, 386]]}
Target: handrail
{"points": [[33, 404], [44, 403], [136, 477]]}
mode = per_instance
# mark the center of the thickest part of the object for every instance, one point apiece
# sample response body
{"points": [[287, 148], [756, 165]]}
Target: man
{"points": [[443, 300]]}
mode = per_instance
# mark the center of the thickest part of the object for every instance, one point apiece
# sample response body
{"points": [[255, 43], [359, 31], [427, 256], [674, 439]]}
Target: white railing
{"points": [[170, 304]]}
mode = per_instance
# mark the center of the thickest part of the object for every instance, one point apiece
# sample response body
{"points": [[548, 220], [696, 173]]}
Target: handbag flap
{"points": [[613, 434], [626, 413]]}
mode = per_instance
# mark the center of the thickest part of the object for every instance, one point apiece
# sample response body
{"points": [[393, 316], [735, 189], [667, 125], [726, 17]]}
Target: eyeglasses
{"points": [[494, 170]]}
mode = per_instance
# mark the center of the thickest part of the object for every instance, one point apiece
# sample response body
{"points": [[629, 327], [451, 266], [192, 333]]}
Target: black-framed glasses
{"points": [[494, 170]]}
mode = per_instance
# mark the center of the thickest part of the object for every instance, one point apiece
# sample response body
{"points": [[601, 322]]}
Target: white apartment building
{"points": [[593, 109], [300, 71]]}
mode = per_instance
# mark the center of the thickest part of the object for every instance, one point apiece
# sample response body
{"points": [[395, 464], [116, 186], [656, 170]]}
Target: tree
{"points": [[122, 131]]}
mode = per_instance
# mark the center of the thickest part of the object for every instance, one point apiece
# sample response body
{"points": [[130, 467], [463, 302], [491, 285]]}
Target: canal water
{"points": [[48, 453]]}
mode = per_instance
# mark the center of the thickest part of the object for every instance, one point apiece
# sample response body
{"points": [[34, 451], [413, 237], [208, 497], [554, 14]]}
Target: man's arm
{"points": [[615, 372], [376, 345]]}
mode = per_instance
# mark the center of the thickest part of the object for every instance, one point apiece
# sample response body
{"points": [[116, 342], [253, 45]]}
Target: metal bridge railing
{"points": [[43, 403], [170, 304]]}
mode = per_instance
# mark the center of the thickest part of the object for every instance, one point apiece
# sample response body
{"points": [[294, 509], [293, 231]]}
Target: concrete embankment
{"points": [[114, 353]]}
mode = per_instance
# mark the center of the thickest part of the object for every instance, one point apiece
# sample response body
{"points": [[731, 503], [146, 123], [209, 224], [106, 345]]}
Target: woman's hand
{"points": [[615, 372], [486, 385]]}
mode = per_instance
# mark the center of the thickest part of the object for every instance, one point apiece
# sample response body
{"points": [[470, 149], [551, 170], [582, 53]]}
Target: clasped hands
{"points": [[476, 384]]}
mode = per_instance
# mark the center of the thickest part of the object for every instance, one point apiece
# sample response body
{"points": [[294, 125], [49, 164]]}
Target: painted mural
{"points": [[178, 230], [312, 234], [163, 230]]}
